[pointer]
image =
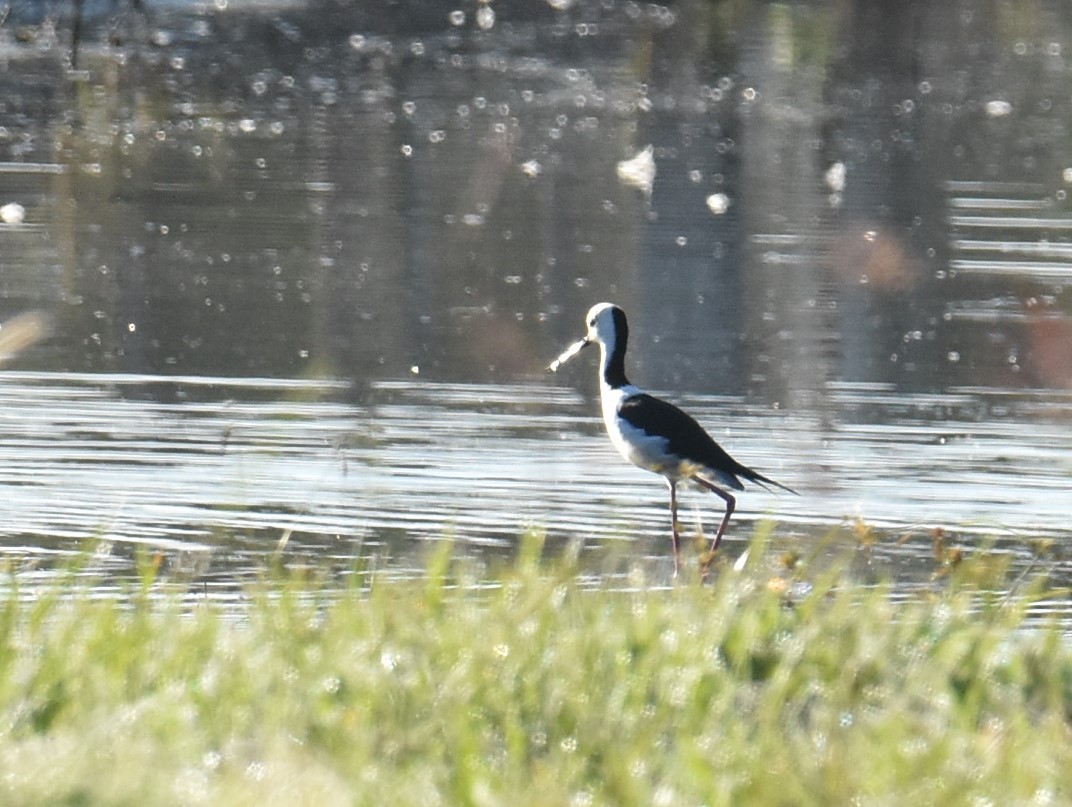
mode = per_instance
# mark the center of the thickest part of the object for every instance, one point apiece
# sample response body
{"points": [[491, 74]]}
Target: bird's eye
{"points": [[592, 322]]}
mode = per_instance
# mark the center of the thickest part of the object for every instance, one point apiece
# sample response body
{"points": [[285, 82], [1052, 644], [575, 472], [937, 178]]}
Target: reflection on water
{"points": [[303, 265], [216, 476]]}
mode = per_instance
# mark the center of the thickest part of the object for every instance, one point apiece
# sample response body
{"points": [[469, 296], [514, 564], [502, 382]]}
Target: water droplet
{"points": [[12, 213], [835, 177], [718, 203], [998, 109]]}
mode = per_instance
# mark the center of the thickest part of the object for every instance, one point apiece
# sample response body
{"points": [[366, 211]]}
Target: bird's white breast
{"points": [[647, 451]]}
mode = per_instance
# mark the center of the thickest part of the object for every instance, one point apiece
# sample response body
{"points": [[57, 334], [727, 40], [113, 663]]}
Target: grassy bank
{"points": [[768, 686]]}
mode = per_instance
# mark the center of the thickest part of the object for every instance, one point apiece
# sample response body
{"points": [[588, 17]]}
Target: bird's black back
{"points": [[686, 437]]}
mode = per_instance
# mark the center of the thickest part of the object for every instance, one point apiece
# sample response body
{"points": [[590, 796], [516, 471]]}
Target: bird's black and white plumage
{"points": [[653, 434]]}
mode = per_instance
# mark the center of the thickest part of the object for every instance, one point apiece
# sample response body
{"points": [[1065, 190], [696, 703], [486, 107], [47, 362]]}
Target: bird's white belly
{"points": [[647, 451], [640, 448]]}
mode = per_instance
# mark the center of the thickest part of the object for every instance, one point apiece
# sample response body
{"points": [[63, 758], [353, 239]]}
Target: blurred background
{"points": [[295, 271]]}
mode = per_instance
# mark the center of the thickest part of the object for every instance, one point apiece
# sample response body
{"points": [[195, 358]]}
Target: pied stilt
{"points": [[655, 435]]}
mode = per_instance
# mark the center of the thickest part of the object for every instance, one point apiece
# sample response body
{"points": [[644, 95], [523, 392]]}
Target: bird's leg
{"points": [[731, 503], [670, 483]]}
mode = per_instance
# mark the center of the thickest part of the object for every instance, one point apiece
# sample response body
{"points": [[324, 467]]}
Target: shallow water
{"points": [[217, 476], [302, 269]]}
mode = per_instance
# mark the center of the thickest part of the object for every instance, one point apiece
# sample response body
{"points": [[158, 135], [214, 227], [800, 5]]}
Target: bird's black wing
{"points": [[687, 438]]}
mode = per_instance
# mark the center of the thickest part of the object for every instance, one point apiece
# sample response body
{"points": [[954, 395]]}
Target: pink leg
{"points": [[673, 522], [731, 503]]}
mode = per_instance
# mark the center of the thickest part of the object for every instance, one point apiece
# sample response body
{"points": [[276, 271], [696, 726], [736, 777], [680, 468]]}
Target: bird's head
{"points": [[606, 323]]}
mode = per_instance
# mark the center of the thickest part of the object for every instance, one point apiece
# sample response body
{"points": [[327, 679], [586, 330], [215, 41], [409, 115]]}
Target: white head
{"points": [[606, 326], [605, 323]]}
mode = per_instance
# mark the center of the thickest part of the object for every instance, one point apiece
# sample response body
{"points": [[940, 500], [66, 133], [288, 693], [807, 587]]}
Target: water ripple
{"points": [[417, 462]]}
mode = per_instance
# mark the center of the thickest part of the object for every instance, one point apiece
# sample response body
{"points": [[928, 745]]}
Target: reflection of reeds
{"points": [[22, 331]]}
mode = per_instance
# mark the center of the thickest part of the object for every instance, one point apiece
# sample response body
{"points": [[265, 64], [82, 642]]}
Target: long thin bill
{"points": [[567, 354]]}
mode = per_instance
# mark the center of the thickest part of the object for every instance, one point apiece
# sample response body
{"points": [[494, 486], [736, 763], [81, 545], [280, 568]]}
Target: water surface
{"points": [[303, 268]]}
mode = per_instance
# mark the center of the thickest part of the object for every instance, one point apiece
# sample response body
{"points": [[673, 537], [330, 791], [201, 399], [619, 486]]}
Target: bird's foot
{"points": [[707, 559]]}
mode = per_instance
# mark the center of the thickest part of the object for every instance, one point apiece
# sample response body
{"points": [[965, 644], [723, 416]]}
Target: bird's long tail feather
{"points": [[765, 482]]}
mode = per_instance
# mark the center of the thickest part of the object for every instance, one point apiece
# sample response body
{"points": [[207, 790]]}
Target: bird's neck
{"points": [[612, 363]]}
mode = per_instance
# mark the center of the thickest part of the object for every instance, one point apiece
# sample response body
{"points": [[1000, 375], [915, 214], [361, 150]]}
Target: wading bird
{"points": [[655, 435]]}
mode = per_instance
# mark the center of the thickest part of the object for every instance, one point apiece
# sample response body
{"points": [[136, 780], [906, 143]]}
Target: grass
{"points": [[771, 685]]}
